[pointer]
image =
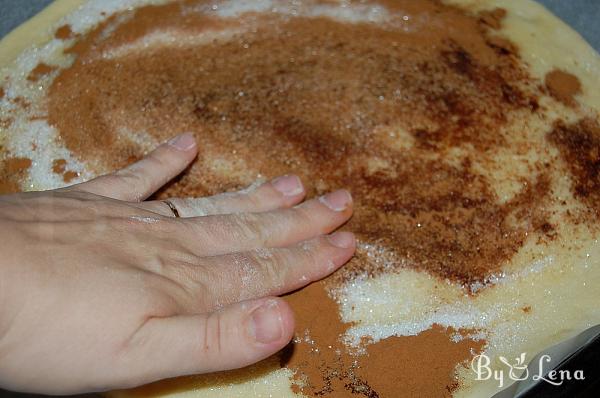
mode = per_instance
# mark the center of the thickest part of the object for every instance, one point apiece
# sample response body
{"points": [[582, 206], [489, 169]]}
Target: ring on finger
{"points": [[172, 207]]}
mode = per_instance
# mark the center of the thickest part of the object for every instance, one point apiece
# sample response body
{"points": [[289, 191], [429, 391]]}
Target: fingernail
{"points": [[343, 240], [288, 185], [267, 325], [338, 200], [183, 142]]}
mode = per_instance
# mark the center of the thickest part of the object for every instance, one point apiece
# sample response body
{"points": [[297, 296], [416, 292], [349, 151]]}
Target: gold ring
{"points": [[172, 207]]}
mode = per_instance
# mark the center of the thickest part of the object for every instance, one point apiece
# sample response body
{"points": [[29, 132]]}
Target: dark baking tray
{"points": [[583, 16]]}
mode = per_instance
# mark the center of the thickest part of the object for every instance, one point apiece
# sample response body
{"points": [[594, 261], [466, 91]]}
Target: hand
{"points": [[101, 290]]}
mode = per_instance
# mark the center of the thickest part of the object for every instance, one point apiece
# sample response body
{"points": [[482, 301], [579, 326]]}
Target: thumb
{"points": [[233, 337]]}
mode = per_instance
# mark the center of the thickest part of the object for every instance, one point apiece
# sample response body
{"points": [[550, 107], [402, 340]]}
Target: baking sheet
{"points": [[557, 356], [583, 16]]}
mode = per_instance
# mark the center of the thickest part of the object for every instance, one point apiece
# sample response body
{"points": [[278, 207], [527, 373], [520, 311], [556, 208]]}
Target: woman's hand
{"points": [[101, 290]]}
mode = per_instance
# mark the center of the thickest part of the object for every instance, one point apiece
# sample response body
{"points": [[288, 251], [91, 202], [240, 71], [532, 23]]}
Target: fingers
{"points": [[222, 234], [282, 192], [234, 337], [141, 179], [268, 272]]}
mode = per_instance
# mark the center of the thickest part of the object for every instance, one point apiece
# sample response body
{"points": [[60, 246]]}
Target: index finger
{"points": [[141, 179]]}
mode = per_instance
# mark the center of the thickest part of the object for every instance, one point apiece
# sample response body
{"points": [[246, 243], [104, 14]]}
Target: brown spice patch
{"points": [[41, 70], [12, 171], [406, 364], [59, 166], [329, 370], [7, 187], [323, 360], [275, 100], [16, 165], [70, 176], [64, 32], [526, 309], [2, 92], [502, 46], [579, 146], [21, 102], [563, 86], [6, 122], [493, 18]]}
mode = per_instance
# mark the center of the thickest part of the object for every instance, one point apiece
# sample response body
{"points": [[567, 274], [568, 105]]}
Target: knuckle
{"points": [[301, 216], [118, 176], [314, 254], [191, 273], [245, 266], [177, 281], [156, 160], [129, 175], [194, 287], [214, 335], [259, 197], [187, 227], [76, 193], [309, 254], [157, 264], [271, 265], [253, 199], [249, 226], [311, 251], [257, 274], [44, 231], [199, 207], [268, 261]]}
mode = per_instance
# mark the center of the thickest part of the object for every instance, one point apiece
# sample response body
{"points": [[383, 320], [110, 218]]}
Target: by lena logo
{"points": [[517, 370]]}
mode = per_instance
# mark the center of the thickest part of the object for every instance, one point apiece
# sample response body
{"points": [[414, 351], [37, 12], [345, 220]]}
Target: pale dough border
{"points": [[35, 31]]}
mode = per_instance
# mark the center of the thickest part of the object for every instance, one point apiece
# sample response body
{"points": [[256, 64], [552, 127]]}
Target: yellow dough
{"points": [[559, 281]]}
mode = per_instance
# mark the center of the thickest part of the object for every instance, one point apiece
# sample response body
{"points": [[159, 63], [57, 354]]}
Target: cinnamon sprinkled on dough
{"points": [[16, 165], [70, 176], [396, 365], [579, 146], [64, 33], [39, 71], [493, 18], [327, 368], [276, 99], [405, 111], [563, 86], [59, 166], [12, 171]]}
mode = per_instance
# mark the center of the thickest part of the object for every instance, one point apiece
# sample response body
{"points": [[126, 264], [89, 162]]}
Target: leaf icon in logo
{"points": [[519, 370]]}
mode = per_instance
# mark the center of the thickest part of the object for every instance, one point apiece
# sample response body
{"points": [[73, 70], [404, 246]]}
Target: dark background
{"points": [[583, 15]]}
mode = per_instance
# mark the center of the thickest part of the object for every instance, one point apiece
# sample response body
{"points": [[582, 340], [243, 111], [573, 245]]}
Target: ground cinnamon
{"points": [[374, 107], [277, 100], [396, 366], [563, 86]]}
